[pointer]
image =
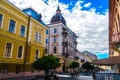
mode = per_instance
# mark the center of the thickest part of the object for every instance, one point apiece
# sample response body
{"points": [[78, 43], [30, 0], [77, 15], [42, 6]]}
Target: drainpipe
{"points": [[48, 40], [26, 46]]}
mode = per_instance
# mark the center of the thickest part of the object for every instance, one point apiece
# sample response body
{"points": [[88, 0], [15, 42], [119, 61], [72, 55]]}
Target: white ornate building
{"points": [[60, 40]]}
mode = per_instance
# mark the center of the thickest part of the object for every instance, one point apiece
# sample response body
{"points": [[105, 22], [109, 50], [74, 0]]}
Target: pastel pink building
{"points": [[60, 40]]}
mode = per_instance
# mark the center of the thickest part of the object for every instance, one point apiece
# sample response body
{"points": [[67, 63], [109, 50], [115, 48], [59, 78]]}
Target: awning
{"points": [[107, 61]]}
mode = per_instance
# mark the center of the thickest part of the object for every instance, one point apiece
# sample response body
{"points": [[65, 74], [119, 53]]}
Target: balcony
{"points": [[115, 46], [76, 50], [114, 43], [65, 44], [76, 42], [64, 29], [76, 58], [82, 60], [65, 55], [64, 34]]}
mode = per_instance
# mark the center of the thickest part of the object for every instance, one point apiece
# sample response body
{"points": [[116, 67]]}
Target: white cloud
{"points": [[87, 4], [91, 27]]}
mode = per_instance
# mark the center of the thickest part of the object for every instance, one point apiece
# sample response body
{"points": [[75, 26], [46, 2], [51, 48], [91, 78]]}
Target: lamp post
{"points": [[48, 41]]}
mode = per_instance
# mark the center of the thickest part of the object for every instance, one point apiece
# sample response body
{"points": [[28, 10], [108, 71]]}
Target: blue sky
{"points": [[87, 18], [101, 55], [100, 5]]}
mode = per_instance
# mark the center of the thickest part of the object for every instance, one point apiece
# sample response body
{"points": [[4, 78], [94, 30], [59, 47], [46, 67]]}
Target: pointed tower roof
{"points": [[58, 17], [58, 9]]}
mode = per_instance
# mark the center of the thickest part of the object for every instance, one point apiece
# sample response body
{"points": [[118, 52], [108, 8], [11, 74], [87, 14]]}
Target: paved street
{"points": [[80, 77], [61, 77]]}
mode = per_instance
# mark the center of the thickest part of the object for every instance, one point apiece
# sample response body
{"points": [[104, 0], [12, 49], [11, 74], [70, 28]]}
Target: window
{"points": [[55, 30], [38, 37], [12, 26], [46, 31], [55, 50], [55, 40], [22, 31], [20, 52], [1, 16], [46, 40], [8, 49], [36, 54]]}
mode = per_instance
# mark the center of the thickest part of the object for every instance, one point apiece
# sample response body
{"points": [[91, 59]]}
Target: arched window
{"points": [[55, 49]]}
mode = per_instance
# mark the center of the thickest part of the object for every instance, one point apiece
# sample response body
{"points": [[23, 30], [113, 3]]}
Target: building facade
{"points": [[22, 40], [85, 57], [36, 37], [60, 40], [114, 29]]}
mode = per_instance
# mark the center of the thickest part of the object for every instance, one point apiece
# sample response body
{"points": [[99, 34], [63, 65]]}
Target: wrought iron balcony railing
{"points": [[65, 44], [76, 57], [64, 34], [65, 55]]}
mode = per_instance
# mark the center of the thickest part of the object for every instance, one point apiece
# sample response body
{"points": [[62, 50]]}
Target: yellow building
{"points": [[22, 39], [36, 42]]}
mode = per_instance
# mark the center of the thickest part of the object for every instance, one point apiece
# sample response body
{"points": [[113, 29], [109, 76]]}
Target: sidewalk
{"points": [[62, 76], [22, 74]]}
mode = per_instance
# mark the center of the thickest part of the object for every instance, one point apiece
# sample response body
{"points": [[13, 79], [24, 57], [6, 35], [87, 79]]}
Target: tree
{"points": [[47, 63], [87, 66], [73, 64]]}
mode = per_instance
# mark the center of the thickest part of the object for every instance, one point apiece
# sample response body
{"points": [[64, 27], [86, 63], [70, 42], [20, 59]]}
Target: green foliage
{"points": [[73, 64], [47, 62], [87, 66]]}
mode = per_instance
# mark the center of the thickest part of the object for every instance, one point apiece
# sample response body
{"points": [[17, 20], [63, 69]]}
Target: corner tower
{"points": [[58, 17]]}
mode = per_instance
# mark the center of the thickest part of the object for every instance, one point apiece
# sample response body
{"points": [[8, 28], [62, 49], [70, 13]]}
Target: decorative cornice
{"points": [[12, 14], [34, 44], [12, 36]]}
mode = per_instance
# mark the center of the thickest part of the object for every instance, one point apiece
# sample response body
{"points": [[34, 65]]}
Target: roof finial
{"points": [[58, 9]]}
